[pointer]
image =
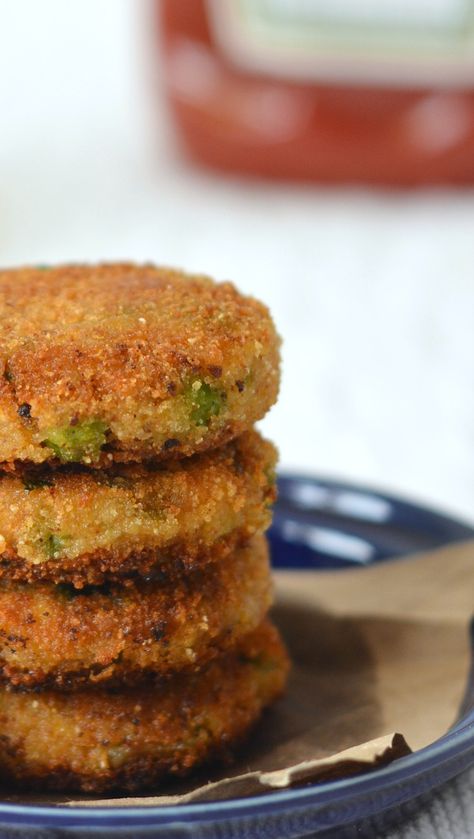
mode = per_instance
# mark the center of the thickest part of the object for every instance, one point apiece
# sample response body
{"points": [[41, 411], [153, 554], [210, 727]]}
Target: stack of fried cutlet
{"points": [[134, 576]]}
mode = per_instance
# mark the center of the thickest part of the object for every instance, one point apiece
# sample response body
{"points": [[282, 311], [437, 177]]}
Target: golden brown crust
{"points": [[55, 636], [82, 526], [97, 741], [121, 352]]}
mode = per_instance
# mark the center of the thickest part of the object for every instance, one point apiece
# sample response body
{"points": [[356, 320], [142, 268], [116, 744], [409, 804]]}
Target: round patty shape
{"points": [[57, 636], [97, 741], [126, 362], [82, 526]]}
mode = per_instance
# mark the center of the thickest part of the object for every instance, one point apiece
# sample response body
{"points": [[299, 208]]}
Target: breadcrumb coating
{"points": [[83, 526], [99, 741], [125, 362], [57, 636]]}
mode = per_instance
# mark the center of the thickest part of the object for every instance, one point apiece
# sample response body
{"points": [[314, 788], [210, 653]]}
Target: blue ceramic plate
{"points": [[318, 524]]}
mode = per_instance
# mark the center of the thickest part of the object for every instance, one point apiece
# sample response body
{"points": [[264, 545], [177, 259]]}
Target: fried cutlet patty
{"points": [[58, 636], [123, 362], [82, 526], [129, 740]]}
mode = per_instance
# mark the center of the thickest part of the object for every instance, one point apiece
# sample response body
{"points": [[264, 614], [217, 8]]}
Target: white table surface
{"points": [[373, 293]]}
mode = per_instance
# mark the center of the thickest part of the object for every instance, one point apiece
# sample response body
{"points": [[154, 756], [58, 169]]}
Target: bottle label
{"points": [[391, 42]]}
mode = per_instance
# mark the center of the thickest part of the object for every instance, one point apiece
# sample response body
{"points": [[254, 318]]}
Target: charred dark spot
{"points": [[24, 411], [239, 466], [171, 388], [155, 575], [36, 481], [70, 592], [135, 721], [240, 385], [215, 371], [110, 480], [74, 420], [159, 631], [8, 375], [16, 639], [66, 590], [170, 444]]}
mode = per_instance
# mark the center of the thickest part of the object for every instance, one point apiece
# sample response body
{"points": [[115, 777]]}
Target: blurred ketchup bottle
{"points": [[337, 91]]}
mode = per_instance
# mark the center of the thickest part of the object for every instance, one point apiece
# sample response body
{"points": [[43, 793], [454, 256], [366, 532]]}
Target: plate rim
{"points": [[454, 743]]}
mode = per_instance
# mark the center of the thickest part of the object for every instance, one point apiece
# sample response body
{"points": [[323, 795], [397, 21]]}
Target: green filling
{"points": [[261, 662], [54, 545], [206, 402], [77, 442], [118, 755], [270, 474]]}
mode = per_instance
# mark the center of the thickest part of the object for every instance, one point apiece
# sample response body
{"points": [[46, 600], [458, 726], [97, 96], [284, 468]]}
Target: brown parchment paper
{"points": [[375, 651]]}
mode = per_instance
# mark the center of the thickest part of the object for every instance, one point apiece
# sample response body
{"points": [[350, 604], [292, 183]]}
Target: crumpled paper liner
{"points": [[375, 650]]}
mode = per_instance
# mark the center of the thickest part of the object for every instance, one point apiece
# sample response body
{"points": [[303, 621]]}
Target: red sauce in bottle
{"points": [[250, 121]]}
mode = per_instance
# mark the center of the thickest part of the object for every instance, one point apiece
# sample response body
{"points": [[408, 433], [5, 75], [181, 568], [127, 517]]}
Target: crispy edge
{"points": [[103, 566], [91, 371], [210, 716], [143, 637], [246, 461]]}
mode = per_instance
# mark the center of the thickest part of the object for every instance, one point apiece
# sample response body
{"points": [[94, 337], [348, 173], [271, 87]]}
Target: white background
{"points": [[372, 293]]}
